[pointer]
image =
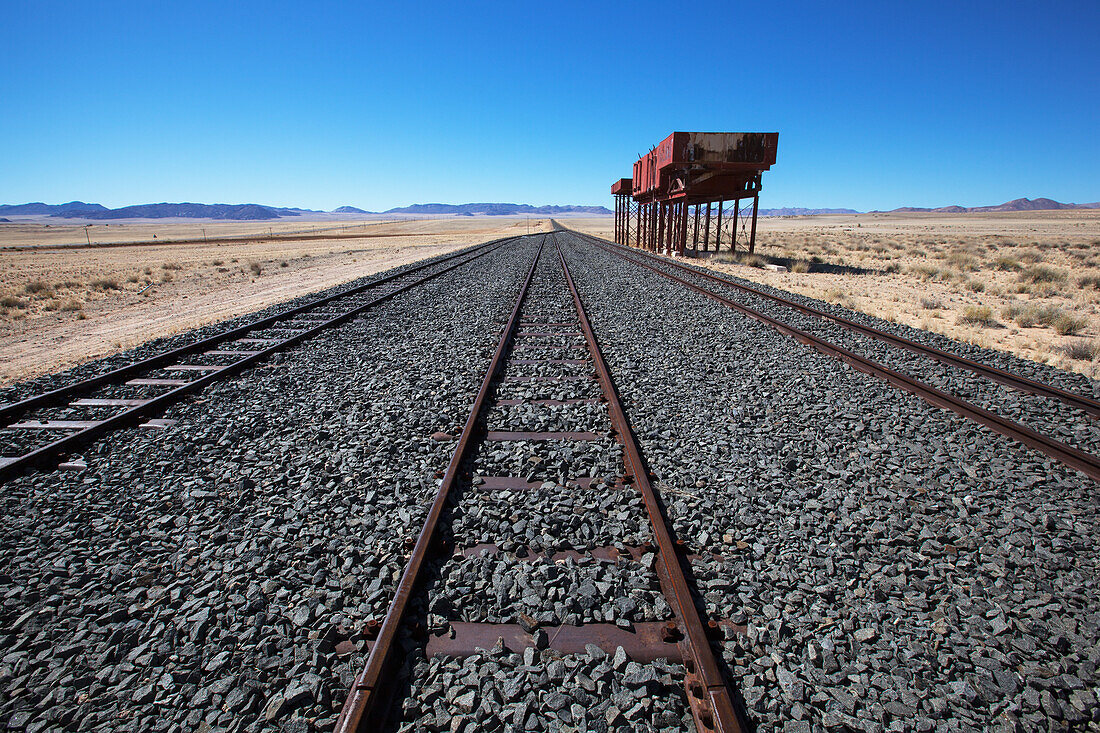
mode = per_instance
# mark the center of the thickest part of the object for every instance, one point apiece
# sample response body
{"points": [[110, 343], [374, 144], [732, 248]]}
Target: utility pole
{"points": [[204, 236], [86, 236]]}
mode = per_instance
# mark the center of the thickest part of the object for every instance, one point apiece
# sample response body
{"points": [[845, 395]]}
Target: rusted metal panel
{"points": [[642, 643], [729, 161], [621, 187]]}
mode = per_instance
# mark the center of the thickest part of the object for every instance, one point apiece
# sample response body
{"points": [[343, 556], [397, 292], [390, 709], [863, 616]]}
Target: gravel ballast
{"points": [[218, 575], [899, 568], [893, 567]]}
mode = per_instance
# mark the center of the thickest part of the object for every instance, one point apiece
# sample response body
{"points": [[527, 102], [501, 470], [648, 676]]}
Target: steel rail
{"points": [[362, 708], [1024, 384], [12, 410], [724, 714], [15, 466], [1079, 460]]}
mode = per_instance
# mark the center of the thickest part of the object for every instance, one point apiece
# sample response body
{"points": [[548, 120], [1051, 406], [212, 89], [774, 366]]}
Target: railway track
{"points": [[44, 428], [546, 588], [1080, 460], [541, 332]]}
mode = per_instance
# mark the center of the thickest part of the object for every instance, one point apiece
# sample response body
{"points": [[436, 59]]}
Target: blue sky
{"points": [[321, 104]]}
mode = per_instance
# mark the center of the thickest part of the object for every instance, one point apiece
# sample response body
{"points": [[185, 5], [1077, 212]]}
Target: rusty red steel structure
{"points": [[672, 194]]}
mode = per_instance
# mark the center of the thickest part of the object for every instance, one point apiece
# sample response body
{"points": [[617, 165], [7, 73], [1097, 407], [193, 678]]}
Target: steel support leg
{"points": [[683, 227], [752, 237], [695, 232], [736, 211], [706, 229], [718, 233]]}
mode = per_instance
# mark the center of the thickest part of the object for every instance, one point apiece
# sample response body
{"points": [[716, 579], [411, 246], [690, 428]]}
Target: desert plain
{"points": [[62, 303], [1024, 282]]}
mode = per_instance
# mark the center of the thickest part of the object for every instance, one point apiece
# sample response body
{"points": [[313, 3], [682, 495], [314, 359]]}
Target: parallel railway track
{"points": [[145, 388], [1080, 460], [683, 639]]}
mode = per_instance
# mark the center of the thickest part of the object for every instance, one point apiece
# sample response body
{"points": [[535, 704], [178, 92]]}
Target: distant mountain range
{"points": [[257, 212], [73, 208], [796, 211], [81, 210], [495, 209], [1039, 204]]}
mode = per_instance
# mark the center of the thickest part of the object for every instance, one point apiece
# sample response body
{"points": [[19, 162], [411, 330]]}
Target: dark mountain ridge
{"points": [[242, 212], [488, 209], [1039, 204], [73, 208]]}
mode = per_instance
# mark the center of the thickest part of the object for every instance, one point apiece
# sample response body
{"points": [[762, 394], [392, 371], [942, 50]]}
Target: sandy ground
{"points": [[60, 306], [1024, 282]]}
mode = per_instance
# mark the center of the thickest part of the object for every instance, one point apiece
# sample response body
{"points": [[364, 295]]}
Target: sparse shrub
{"points": [[51, 305], [217, 263], [71, 284], [283, 264], [975, 286], [256, 267], [1068, 324], [1027, 316], [924, 272], [105, 284], [1007, 264], [72, 305], [1082, 349], [148, 270], [978, 315], [931, 303], [10, 301], [962, 261], [1089, 281], [166, 277], [800, 266], [133, 279], [38, 287], [1042, 274], [80, 316], [172, 266]]}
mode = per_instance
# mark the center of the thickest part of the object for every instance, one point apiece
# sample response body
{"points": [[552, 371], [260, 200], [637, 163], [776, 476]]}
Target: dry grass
{"points": [[84, 313], [1068, 325], [1037, 272], [1082, 349], [105, 284], [978, 315]]}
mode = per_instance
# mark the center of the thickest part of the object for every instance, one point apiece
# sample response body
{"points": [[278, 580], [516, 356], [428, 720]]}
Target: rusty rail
{"points": [[711, 698], [13, 466], [685, 639], [1024, 384], [1079, 460], [362, 708]]}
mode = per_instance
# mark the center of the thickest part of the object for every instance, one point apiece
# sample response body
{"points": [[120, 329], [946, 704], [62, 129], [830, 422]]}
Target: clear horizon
{"points": [[377, 107]]}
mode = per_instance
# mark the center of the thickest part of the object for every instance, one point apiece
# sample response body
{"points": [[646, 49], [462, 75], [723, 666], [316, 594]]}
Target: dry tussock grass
{"points": [[1040, 272]]}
